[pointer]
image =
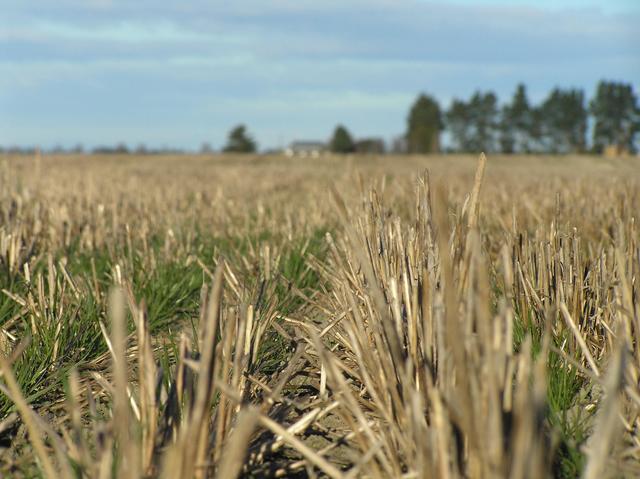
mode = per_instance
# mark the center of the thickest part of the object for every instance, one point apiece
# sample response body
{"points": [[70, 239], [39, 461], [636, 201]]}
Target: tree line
{"points": [[241, 141], [559, 124]]}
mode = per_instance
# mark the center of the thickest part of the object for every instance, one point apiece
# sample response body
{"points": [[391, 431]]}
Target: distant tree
{"points": [[424, 125], [537, 142], [617, 116], [141, 149], [206, 148], [370, 146], [240, 141], [564, 121], [507, 133], [121, 149], [21, 150], [516, 123], [474, 125], [341, 141], [484, 118], [458, 121]]}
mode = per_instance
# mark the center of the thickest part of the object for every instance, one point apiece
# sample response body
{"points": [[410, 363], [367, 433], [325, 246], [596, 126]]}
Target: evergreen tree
{"points": [[507, 132], [342, 142], [516, 123], [474, 125], [239, 141], [536, 131], [484, 119], [564, 121], [423, 126], [458, 121], [617, 116]]}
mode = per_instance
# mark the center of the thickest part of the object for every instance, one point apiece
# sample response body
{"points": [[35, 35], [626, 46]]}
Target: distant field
{"points": [[223, 316]]}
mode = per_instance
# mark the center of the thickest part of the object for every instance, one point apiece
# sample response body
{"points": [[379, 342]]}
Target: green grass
{"points": [[565, 385], [171, 292], [54, 345], [566, 415]]}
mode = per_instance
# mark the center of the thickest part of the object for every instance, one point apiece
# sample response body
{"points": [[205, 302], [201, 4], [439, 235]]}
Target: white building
{"points": [[306, 149]]}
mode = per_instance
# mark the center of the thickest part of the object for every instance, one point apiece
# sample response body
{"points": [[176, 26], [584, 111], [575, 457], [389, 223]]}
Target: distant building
{"points": [[370, 146], [306, 149]]}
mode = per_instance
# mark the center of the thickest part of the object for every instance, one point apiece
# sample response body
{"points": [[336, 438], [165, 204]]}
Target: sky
{"points": [[180, 73]]}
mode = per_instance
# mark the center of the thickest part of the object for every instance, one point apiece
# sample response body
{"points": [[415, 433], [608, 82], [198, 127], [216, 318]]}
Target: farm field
{"points": [[245, 316]]}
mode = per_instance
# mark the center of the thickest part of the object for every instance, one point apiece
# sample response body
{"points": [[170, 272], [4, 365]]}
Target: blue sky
{"points": [[178, 73]]}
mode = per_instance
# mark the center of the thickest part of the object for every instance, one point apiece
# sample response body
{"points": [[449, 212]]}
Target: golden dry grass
{"points": [[349, 317]]}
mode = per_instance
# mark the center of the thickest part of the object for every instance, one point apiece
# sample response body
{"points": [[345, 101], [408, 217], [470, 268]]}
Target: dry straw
{"points": [[444, 334]]}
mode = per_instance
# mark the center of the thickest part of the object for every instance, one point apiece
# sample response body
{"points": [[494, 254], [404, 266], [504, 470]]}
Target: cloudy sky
{"points": [[178, 73]]}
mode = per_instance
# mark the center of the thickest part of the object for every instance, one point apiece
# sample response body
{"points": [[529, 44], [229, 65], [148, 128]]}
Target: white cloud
{"points": [[313, 100], [122, 32]]}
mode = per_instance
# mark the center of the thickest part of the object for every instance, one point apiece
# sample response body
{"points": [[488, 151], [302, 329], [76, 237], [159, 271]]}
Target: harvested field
{"points": [[225, 316]]}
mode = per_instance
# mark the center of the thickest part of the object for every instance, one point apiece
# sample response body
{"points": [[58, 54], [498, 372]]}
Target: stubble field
{"points": [[220, 316]]}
